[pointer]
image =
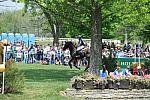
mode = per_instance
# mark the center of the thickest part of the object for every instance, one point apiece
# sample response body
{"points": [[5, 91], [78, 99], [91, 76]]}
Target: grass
{"points": [[43, 82]]}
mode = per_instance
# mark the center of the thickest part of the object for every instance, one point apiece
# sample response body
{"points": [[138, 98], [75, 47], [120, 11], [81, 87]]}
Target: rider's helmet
{"points": [[75, 43], [79, 36]]}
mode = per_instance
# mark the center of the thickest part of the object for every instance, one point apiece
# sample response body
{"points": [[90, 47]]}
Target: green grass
{"points": [[43, 82]]}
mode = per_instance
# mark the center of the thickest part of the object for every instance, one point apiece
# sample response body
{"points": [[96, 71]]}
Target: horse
{"points": [[75, 55]]}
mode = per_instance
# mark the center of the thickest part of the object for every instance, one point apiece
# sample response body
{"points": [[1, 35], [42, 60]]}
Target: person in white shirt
{"points": [[67, 53], [126, 71], [26, 55], [18, 56]]}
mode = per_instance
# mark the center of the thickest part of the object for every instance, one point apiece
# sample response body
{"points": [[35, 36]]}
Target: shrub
{"points": [[14, 78]]}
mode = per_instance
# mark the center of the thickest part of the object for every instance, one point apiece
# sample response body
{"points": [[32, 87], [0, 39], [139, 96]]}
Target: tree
{"points": [[103, 15], [49, 9], [98, 16]]}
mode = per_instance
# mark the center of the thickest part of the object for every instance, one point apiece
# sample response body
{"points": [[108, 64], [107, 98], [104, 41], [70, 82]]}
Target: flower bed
{"points": [[89, 81]]}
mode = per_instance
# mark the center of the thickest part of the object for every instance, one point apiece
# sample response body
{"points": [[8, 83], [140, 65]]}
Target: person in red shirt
{"points": [[135, 71]]}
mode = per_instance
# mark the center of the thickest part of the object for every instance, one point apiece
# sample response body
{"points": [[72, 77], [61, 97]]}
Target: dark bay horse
{"points": [[75, 55]]}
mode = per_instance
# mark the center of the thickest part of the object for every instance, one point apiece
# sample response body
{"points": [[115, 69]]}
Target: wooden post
{"points": [[3, 85]]}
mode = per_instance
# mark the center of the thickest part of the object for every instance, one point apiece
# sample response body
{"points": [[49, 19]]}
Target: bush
{"points": [[14, 78]]}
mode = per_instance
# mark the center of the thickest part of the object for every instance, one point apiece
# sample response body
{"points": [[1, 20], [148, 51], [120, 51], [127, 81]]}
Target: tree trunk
{"points": [[56, 36], [56, 33], [55, 27], [96, 39]]}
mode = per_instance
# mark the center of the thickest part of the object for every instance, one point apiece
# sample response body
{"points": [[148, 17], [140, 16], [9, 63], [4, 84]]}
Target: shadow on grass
{"points": [[18, 93], [38, 75]]}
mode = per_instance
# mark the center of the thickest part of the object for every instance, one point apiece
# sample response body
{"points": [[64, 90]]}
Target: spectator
{"points": [[144, 71], [135, 71], [117, 72], [126, 71], [26, 55], [66, 60], [103, 72], [18, 56], [140, 71]]}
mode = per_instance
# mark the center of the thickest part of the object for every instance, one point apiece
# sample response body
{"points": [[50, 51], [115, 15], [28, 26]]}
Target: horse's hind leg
{"points": [[75, 64], [88, 65]]}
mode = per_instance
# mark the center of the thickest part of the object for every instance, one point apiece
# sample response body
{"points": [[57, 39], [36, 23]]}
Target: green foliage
{"points": [[15, 22], [23, 23], [14, 79], [145, 34]]}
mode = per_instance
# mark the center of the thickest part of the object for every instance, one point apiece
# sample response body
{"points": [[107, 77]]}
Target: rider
{"points": [[81, 44]]}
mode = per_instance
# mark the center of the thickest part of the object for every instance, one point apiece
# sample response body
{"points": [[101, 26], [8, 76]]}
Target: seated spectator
{"points": [[135, 71], [144, 71], [117, 72], [140, 71], [57, 61], [103, 72], [126, 71]]}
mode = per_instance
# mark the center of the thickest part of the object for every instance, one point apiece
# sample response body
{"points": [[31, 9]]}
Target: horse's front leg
{"points": [[70, 63]]}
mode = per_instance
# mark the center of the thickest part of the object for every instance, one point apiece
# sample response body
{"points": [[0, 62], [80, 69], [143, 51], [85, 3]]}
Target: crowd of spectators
{"points": [[125, 50], [55, 55], [37, 53]]}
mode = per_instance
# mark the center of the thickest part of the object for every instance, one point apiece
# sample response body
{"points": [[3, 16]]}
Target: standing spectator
{"points": [[52, 52], [62, 56], [11, 52], [31, 50], [108, 45], [36, 52], [18, 56], [67, 53], [113, 45], [26, 55], [128, 47], [104, 45]]}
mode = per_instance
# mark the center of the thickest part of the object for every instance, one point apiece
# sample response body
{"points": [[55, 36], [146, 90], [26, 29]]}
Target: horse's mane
{"points": [[69, 42]]}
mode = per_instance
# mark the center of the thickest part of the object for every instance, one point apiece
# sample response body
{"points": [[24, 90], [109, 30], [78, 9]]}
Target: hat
{"points": [[128, 66]]}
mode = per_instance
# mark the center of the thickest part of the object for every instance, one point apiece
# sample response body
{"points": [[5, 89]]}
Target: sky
{"points": [[10, 6]]}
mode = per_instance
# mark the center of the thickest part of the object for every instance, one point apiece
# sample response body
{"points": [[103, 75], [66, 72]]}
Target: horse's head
{"points": [[68, 45]]}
